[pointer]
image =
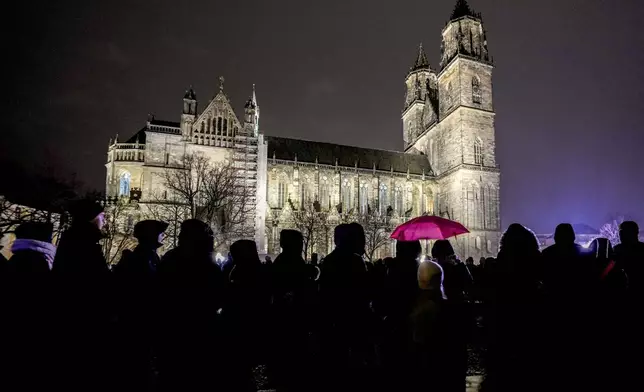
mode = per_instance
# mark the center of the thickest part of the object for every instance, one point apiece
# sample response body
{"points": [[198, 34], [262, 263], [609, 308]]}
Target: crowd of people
{"points": [[565, 318]]}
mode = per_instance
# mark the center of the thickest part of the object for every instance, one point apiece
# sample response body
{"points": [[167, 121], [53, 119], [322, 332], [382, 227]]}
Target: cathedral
{"points": [[447, 167]]}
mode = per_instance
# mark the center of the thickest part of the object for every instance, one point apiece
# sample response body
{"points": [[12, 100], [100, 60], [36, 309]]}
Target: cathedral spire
{"points": [[421, 59], [254, 96], [463, 9]]}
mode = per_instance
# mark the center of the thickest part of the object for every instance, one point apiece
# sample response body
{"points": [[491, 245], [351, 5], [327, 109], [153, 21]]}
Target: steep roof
{"points": [[140, 136], [164, 123], [421, 59], [463, 9], [347, 156]]}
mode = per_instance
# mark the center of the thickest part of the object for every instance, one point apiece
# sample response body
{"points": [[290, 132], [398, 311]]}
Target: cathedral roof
{"points": [[346, 156], [463, 9], [140, 136], [163, 123]]}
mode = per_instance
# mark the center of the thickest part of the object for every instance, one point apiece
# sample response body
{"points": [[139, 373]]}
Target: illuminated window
{"points": [[346, 196], [476, 90], [281, 194], [478, 152], [364, 198], [489, 246], [305, 191], [324, 193], [477, 242], [382, 199], [398, 200], [124, 184]]}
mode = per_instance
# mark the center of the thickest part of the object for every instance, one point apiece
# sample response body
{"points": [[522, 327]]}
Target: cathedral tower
{"points": [[421, 98], [189, 113], [461, 145]]}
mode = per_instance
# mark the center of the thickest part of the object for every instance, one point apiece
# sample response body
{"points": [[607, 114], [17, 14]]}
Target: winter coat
{"points": [[84, 291], [630, 257], [28, 343], [457, 280]]}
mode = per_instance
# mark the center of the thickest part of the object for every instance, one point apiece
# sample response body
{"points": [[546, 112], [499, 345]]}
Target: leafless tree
{"points": [[120, 218], [610, 230], [214, 192], [377, 229], [313, 222], [12, 215]]}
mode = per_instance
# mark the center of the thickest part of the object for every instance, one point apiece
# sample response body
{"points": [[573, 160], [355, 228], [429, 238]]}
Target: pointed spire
{"points": [[462, 9], [221, 83], [254, 96], [190, 94], [421, 60]]}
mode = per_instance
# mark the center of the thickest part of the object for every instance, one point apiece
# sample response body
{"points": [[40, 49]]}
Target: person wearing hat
{"points": [[83, 290], [28, 307], [135, 276]]}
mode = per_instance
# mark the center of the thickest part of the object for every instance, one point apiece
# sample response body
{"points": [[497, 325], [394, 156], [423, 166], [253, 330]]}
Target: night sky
{"points": [[568, 84]]}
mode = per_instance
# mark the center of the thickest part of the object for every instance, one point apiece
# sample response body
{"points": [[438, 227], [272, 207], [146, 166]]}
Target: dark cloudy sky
{"points": [[568, 83]]}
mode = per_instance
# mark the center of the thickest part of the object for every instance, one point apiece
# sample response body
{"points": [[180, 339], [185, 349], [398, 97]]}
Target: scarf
{"points": [[45, 248]]}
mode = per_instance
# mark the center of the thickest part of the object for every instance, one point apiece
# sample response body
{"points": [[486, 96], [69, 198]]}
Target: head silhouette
{"points": [[39, 231], [564, 234], [291, 242], [196, 235], [442, 250], [517, 239], [342, 236], [629, 232], [244, 253], [408, 249], [601, 249]]}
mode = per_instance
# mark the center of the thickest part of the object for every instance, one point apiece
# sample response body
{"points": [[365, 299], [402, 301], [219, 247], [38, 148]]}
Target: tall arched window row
{"points": [[324, 193], [398, 200]]}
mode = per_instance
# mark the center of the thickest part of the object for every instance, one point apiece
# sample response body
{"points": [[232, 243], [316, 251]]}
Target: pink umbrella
{"points": [[428, 227]]}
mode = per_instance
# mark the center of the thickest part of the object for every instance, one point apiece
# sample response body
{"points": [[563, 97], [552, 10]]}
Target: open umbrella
{"points": [[428, 227]]}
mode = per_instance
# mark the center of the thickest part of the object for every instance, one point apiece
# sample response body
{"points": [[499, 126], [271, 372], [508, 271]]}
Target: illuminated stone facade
{"points": [[447, 168]]}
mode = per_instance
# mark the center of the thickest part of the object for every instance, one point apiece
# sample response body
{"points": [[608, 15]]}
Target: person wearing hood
{"points": [[190, 294], [29, 307], [83, 287], [135, 277]]}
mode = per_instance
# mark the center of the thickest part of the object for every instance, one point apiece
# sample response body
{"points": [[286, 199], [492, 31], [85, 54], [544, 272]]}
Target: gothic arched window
{"points": [[324, 193], [477, 243], [218, 125], [281, 193], [346, 196], [476, 90], [124, 184], [305, 193], [478, 152], [364, 198], [473, 207], [382, 199], [398, 200]]}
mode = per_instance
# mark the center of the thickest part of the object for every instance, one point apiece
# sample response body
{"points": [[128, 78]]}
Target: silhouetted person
{"points": [[245, 309], [629, 255], [83, 289], [27, 346], [344, 286], [137, 296], [292, 290], [268, 260], [400, 294], [457, 280], [563, 264], [190, 293], [435, 346], [513, 311]]}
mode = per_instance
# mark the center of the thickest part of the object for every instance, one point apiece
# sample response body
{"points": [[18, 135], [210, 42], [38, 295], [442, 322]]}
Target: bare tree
{"points": [[610, 230], [377, 229], [172, 211], [214, 192], [312, 221], [119, 224], [12, 215]]}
